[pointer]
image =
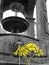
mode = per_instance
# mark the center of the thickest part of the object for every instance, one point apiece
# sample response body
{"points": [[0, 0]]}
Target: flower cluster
{"points": [[27, 48]]}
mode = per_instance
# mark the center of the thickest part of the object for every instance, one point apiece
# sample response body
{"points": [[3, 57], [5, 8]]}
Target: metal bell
{"points": [[15, 24]]}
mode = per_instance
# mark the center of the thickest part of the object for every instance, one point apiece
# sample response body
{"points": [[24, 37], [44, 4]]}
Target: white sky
{"points": [[47, 3]]}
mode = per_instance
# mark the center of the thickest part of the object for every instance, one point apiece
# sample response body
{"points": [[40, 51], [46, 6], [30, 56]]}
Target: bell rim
{"points": [[15, 17]]}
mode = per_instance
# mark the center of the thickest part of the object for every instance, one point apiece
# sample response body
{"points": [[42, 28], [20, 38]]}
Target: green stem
{"points": [[28, 61]]}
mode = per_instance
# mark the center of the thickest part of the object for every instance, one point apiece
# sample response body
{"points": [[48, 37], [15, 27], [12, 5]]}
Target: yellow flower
{"points": [[25, 49], [40, 53], [32, 47], [17, 51], [21, 51], [37, 49]]}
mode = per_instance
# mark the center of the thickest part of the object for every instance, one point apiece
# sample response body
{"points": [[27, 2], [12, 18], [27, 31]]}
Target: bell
{"points": [[15, 24]]}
